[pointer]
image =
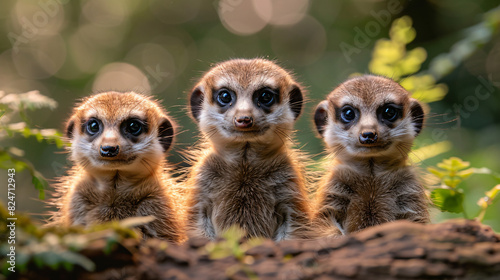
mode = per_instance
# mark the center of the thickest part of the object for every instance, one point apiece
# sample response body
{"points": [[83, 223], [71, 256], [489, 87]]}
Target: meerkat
{"points": [[246, 172], [118, 145], [368, 124]]}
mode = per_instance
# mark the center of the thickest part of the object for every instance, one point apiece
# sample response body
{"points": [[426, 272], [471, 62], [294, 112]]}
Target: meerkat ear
{"points": [[417, 115], [166, 134], [296, 101], [70, 125], [321, 117], [196, 102]]}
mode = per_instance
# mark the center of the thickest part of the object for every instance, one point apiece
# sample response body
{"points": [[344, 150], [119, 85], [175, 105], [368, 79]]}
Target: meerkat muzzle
{"points": [[368, 138], [243, 122], [109, 151]]}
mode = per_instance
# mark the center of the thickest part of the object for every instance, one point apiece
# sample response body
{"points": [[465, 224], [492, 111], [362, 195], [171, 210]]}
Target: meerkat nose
{"points": [[368, 137], [243, 122], [110, 151]]}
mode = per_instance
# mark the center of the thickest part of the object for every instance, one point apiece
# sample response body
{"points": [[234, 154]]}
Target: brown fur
{"points": [[135, 182], [254, 180], [369, 184]]}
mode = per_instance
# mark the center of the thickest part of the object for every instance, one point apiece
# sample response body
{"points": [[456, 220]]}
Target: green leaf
{"points": [[492, 194], [110, 244], [26, 132], [430, 151], [22, 261], [464, 174], [453, 164], [50, 259], [40, 184], [436, 172], [452, 182], [74, 258], [8, 161], [448, 200], [68, 266]]}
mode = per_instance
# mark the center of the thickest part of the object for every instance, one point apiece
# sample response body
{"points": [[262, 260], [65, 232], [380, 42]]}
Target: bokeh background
{"points": [[70, 49]]}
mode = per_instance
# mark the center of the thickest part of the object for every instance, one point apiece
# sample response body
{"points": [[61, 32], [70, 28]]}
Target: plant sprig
{"points": [[15, 105], [448, 197]]}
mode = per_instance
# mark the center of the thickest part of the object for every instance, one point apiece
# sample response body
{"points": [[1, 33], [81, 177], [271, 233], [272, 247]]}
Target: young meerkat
{"points": [[368, 124], [246, 172], [118, 146]]}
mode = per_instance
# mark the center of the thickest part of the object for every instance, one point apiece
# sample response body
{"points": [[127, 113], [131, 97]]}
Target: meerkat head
{"points": [[245, 100], [119, 131], [369, 116]]}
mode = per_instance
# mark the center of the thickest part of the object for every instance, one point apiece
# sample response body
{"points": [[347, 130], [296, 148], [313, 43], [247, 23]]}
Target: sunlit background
{"points": [[70, 49]]}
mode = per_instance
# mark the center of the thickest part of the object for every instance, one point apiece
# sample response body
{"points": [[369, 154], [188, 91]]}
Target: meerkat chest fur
{"points": [[369, 124], [112, 197], [245, 110], [252, 192], [370, 195]]}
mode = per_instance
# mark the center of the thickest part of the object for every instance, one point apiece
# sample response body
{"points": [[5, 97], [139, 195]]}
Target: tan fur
{"points": [[368, 185], [252, 179], [133, 183]]}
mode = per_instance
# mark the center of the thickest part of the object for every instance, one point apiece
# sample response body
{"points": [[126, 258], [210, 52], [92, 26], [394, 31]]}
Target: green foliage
{"points": [[490, 198], [14, 106], [448, 197], [449, 200], [429, 151], [475, 37], [391, 59], [57, 247], [232, 245]]}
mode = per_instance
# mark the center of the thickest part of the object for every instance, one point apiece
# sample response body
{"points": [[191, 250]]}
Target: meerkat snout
{"points": [[243, 122], [109, 147], [109, 151], [368, 137]]}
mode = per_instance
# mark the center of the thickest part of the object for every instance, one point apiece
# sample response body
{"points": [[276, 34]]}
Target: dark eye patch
{"points": [[92, 127], [132, 128], [224, 98], [347, 115], [265, 98], [389, 113]]}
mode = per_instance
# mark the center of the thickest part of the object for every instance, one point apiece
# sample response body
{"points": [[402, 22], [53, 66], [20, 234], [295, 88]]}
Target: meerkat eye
{"points": [[224, 97], [134, 127], [93, 126], [348, 114], [266, 98], [390, 112]]}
